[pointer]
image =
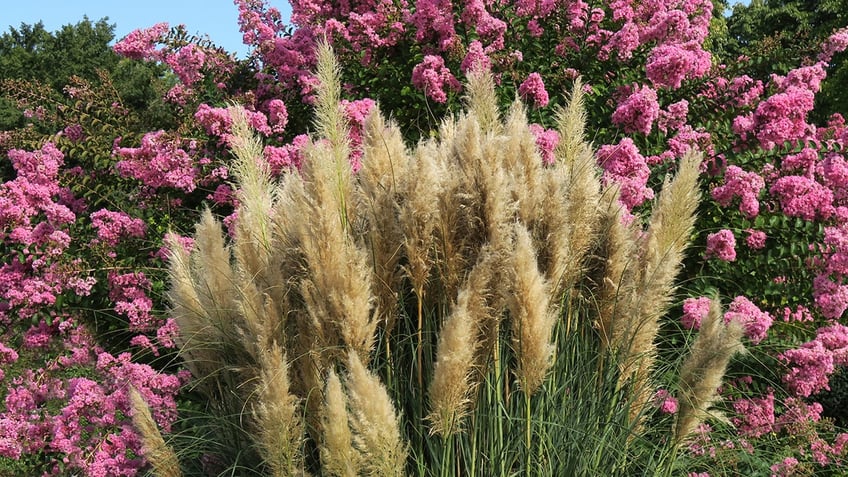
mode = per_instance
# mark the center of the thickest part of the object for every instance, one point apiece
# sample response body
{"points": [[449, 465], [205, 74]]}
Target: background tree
{"points": [[778, 35]]}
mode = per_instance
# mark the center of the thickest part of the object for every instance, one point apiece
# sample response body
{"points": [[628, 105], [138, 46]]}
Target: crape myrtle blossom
{"points": [[694, 310], [744, 185], [158, 162], [432, 77], [836, 43], [721, 245], [624, 165], [86, 425], [755, 321], [112, 226], [533, 90], [810, 365], [638, 111]]}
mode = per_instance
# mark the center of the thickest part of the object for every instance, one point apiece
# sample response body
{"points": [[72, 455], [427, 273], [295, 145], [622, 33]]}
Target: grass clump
{"points": [[453, 309]]}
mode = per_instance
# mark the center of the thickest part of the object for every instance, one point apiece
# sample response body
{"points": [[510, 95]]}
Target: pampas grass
{"points": [[159, 455], [455, 308]]}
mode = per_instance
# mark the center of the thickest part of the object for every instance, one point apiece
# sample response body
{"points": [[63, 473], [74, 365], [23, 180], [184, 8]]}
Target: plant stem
{"points": [[528, 425]]}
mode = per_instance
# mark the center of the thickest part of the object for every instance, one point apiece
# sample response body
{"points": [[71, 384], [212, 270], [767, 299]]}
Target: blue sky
{"points": [[216, 18]]}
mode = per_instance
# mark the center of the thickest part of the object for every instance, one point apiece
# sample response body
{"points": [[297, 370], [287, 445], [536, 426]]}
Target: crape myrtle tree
{"points": [[770, 239]]}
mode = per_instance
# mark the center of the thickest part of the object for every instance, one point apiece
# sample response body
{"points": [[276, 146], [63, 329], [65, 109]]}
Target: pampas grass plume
{"points": [[374, 421], [703, 370], [160, 456]]}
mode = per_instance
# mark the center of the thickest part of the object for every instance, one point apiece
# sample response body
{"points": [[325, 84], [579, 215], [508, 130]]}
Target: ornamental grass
{"points": [[456, 308]]}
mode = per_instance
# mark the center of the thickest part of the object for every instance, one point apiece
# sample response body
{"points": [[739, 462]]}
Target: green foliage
{"points": [[779, 35]]}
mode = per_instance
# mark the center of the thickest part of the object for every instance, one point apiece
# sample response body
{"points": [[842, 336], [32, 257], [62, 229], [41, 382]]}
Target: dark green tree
{"points": [[75, 52], [779, 35]]}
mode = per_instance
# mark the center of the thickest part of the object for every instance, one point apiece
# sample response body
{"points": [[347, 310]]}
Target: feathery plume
{"points": [[450, 388], [278, 424], [523, 165], [338, 456], [160, 456], [668, 235], [703, 370], [615, 273], [533, 318], [571, 125], [375, 424], [381, 181], [481, 100]]}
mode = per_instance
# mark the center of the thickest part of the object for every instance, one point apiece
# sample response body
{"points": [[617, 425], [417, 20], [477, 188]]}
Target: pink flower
{"points": [[623, 164], [666, 403], [638, 111], [745, 185], [694, 310], [836, 43], [756, 321], [721, 245], [432, 76], [187, 63], [129, 292], [434, 20], [278, 116], [668, 64], [831, 298], [803, 197], [112, 226], [141, 44], [533, 89], [546, 141], [158, 162], [782, 117], [287, 157], [784, 468], [813, 362], [755, 417], [756, 239], [674, 117], [475, 59]]}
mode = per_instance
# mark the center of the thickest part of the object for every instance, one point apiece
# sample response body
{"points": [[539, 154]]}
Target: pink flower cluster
{"points": [[666, 403], [112, 226], [141, 44], [77, 423], [674, 116], [533, 90], [187, 63], [129, 292], [694, 310], [158, 162], [721, 245], [547, 141], [801, 196], [638, 111], [218, 122], [756, 239], [624, 165], [476, 59], [745, 185], [810, 365], [835, 43], [755, 417], [829, 289], [669, 64], [286, 157], [755, 321], [432, 77], [356, 112]]}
